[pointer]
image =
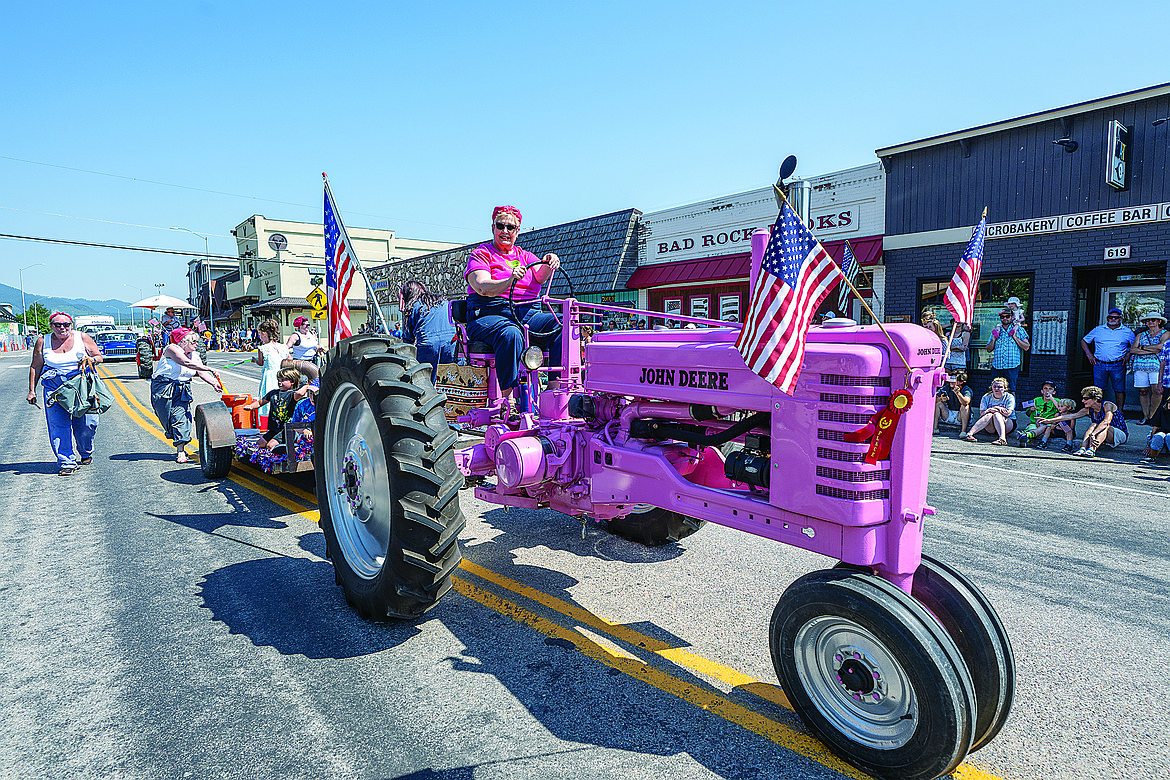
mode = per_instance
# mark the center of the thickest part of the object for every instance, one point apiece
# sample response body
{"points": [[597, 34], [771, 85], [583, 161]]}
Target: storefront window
{"points": [[729, 308], [992, 297], [699, 307], [672, 306]]}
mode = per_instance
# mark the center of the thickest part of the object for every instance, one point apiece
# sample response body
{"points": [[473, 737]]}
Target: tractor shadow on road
{"points": [[292, 605]]}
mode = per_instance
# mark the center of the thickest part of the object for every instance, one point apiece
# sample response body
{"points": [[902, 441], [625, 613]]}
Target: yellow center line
{"points": [[704, 698]]}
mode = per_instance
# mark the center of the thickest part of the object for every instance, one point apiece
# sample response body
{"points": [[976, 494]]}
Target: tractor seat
{"points": [[459, 315]]}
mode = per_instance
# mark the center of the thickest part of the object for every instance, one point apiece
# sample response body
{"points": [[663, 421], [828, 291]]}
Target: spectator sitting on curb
{"points": [[1159, 438], [1044, 405], [953, 403], [995, 410], [1107, 424], [1064, 428]]}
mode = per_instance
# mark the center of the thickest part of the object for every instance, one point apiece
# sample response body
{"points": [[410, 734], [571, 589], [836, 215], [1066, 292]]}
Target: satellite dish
{"points": [[788, 166]]}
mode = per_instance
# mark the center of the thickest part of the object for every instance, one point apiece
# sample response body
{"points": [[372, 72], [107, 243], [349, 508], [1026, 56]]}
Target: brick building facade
{"points": [[1061, 236]]}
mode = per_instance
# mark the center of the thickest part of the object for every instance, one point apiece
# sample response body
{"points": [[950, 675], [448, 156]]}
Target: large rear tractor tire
{"points": [[387, 483], [145, 358], [873, 675], [653, 526]]}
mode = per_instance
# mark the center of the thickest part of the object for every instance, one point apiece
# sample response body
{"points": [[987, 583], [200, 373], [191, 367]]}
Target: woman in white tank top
{"points": [[53, 363]]}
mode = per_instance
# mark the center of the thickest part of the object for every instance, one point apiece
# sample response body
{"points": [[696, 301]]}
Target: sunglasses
{"points": [[1005, 316], [1113, 317], [504, 227], [998, 387], [61, 324]]}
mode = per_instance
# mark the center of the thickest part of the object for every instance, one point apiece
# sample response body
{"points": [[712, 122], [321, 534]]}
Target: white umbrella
{"points": [[162, 302]]}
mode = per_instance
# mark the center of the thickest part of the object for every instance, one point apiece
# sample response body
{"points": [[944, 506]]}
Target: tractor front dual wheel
{"points": [[873, 675]]}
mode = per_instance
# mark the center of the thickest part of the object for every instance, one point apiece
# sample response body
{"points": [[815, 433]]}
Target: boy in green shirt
{"points": [[1043, 407]]}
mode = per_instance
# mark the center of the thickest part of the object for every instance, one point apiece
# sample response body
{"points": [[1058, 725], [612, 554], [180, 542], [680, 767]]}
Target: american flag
{"points": [[340, 264], [960, 297], [849, 268], [796, 274]]}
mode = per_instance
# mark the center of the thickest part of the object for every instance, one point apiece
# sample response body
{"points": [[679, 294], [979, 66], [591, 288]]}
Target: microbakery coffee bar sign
{"points": [[1132, 215]]}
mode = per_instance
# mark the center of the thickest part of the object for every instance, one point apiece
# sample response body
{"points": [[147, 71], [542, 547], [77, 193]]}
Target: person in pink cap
{"points": [[491, 270], [170, 387]]}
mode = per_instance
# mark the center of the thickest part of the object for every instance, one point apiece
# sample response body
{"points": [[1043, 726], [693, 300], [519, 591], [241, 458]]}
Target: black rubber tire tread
{"points": [[655, 527], [981, 637], [424, 481], [214, 462], [145, 349], [921, 646]]}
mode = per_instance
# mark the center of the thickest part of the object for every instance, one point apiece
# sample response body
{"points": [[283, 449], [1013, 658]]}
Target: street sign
{"points": [[317, 299], [317, 314]]}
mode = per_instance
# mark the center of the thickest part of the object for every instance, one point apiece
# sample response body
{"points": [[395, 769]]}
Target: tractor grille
{"points": [[855, 381]]}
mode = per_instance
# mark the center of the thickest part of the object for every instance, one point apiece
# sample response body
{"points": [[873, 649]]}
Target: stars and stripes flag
{"points": [[849, 268], [340, 264], [960, 296], [796, 274]]}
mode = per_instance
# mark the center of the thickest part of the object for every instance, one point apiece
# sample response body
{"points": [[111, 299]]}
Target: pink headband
{"points": [[507, 210], [60, 314], [178, 333]]}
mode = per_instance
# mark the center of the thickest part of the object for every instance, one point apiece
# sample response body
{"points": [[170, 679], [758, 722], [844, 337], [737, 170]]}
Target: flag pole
{"points": [[845, 279], [357, 262], [955, 322]]}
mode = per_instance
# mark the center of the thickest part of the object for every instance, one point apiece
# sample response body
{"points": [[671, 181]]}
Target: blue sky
{"points": [[124, 119]]}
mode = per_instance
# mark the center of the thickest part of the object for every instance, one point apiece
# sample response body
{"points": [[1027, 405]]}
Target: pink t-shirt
{"points": [[488, 257]]}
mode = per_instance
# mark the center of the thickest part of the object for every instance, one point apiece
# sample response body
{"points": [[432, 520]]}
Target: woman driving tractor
{"points": [[492, 270]]}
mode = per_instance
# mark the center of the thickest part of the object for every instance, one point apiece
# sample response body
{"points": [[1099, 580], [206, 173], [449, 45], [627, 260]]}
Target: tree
{"points": [[38, 318]]}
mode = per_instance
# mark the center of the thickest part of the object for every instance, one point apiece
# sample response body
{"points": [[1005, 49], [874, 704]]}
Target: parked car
{"points": [[116, 344]]}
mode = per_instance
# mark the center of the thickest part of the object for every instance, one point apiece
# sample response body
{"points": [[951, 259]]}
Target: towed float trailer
{"points": [[221, 424]]}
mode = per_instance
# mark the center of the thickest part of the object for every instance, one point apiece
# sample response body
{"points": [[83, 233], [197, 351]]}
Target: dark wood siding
{"points": [[1021, 174]]}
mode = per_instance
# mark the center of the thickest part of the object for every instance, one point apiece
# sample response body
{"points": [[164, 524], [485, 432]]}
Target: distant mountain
{"points": [[72, 306]]}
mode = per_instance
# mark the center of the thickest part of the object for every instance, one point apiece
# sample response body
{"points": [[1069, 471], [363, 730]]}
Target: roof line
{"points": [[1029, 119]]}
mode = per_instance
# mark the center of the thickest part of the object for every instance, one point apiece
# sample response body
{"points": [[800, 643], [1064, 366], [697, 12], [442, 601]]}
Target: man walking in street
{"points": [[1109, 353]]}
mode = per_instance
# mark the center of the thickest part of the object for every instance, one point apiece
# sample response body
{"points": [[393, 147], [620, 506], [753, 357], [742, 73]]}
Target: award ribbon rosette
{"points": [[882, 427]]}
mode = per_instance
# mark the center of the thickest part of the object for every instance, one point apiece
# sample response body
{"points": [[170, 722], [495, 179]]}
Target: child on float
{"points": [[1043, 405], [281, 403]]}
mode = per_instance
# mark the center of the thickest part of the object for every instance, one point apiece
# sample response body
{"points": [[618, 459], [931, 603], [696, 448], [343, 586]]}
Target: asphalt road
{"points": [[158, 625]]}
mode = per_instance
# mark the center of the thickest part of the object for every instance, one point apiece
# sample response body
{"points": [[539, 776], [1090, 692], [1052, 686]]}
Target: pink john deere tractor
{"points": [[896, 661]]}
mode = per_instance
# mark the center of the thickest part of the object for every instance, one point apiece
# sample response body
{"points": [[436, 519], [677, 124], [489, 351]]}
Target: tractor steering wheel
{"points": [[512, 303]]}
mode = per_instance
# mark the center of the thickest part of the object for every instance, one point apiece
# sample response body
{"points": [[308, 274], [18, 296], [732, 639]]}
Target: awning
{"points": [[706, 269], [868, 251]]}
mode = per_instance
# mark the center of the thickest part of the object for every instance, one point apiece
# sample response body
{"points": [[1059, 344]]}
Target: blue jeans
{"points": [[435, 354], [490, 320], [1011, 374], [63, 429], [1115, 371]]}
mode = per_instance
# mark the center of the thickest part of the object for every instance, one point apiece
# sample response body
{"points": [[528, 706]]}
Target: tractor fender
{"points": [[217, 421]]}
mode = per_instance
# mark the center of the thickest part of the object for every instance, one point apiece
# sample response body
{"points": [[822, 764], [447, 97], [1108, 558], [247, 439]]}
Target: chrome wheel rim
{"points": [[357, 481], [855, 683]]}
